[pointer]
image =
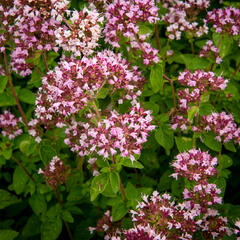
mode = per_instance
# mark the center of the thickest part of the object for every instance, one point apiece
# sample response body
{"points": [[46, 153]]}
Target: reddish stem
{"points": [[13, 91]]}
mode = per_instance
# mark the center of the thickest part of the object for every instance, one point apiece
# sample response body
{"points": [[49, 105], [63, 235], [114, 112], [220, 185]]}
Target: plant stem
{"points": [[45, 61], [218, 45], [157, 38], [173, 90], [96, 110], [13, 91], [65, 223], [121, 185], [236, 70], [37, 70], [23, 168], [219, 163]]}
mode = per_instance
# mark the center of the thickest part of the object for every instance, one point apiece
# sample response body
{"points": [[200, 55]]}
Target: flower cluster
{"points": [[106, 224], [213, 225], [197, 84], [182, 17], [7, 15], [74, 83], [225, 20], [204, 195], [208, 50], [168, 219], [119, 132], [123, 18], [237, 229], [10, 125], [55, 172], [81, 36], [194, 165], [142, 232], [33, 31], [223, 126]]}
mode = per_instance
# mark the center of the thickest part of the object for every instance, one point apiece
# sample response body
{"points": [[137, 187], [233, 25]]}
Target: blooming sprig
{"points": [[202, 196], [225, 20], [195, 165], [10, 125], [118, 132], [181, 17], [197, 84], [168, 219], [223, 126], [74, 83], [123, 19], [209, 50], [105, 224], [83, 33], [202, 80], [142, 233], [214, 226], [55, 172]]}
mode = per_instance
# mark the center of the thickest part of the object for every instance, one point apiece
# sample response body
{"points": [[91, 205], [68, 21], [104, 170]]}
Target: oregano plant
{"points": [[119, 119]]}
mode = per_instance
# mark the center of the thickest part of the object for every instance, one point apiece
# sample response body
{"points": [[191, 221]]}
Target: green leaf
{"points": [[24, 146], [26, 96], [103, 93], [7, 153], [98, 185], [230, 146], [38, 204], [193, 62], [67, 216], [206, 109], [3, 83], [192, 112], [46, 151], [210, 141], [164, 136], [165, 181], [8, 234], [115, 182], [144, 29], [20, 180], [183, 143], [127, 162], [131, 191], [226, 43], [32, 227], [119, 211], [226, 161], [7, 99], [51, 228], [7, 199], [156, 77], [221, 183]]}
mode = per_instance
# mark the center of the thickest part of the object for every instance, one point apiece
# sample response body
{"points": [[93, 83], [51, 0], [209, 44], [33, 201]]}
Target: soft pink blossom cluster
{"points": [[225, 20], [74, 83], [117, 133], [210, 50], [195, 165], [223, 126], [181, 17], [10, 125], [123, 19], [55, 172], [197, 84], [37, 27], [82, 33]]}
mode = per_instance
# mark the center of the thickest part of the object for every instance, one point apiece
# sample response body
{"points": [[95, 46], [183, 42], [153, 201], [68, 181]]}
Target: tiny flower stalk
{"points": [[121, 185], [12, 89], [55, 174]]}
